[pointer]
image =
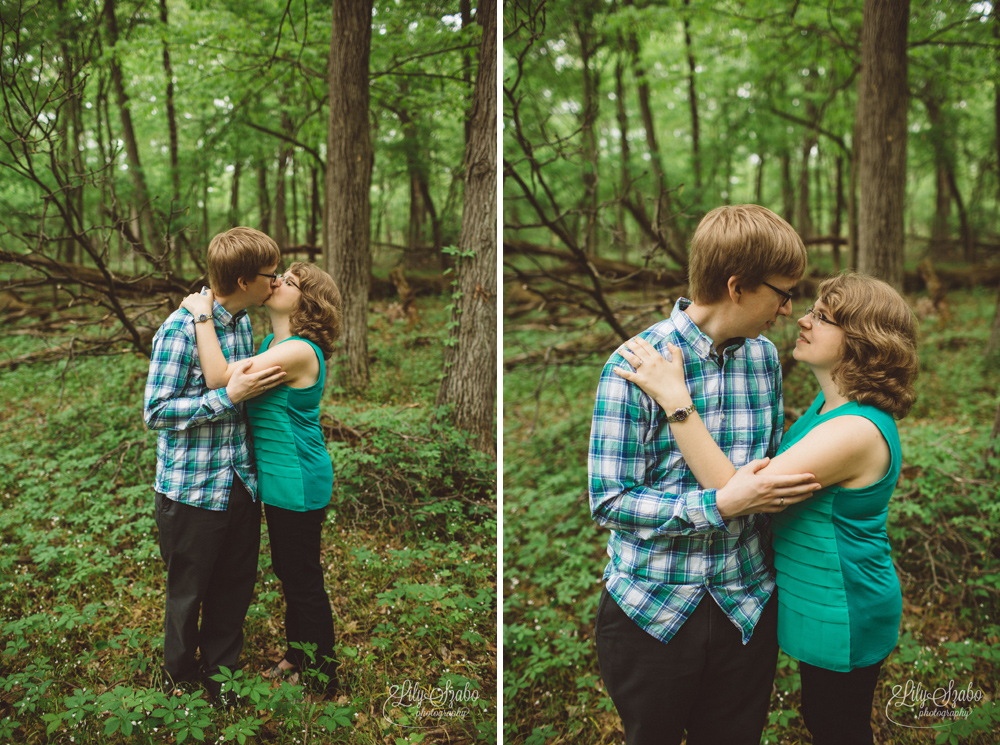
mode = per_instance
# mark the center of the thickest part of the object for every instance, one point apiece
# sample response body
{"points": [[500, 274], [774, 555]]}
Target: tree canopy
{"points": [[625, 121]]}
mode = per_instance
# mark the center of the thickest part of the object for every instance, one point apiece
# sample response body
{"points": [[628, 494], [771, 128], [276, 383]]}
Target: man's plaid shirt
{"points": [[669, 545], [202, 434]]}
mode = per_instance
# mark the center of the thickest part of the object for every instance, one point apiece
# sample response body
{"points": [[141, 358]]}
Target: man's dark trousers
{"points": [[705, 680], [211, 560]]}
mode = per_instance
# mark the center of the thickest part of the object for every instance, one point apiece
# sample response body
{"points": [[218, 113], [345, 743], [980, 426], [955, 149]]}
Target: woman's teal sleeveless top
{"points": [[294, 470], [839, 602]]}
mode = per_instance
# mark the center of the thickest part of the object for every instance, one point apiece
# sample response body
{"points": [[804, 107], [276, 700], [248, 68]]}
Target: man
{"points": [[686, 637], [207, 511]]}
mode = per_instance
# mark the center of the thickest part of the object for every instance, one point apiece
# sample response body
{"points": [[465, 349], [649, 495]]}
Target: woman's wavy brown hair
{"points": [[879, 365], [317, 318]]}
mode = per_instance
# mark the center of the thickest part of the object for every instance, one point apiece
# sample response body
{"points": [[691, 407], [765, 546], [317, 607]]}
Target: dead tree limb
{"points": [[60, 272]]}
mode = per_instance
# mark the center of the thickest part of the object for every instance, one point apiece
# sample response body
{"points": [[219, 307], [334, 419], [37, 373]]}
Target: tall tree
{"points": [[175, 172], [589, 43], [349, 176], [881, 123], [470, 380], [151, 245]]}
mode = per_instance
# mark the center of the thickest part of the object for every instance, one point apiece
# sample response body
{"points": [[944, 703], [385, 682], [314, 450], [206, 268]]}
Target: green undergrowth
{"points": [[944, 527], [409, 550]]}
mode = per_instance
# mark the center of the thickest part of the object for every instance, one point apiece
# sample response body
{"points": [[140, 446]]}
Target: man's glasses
{"points": [[818, 316], [274, 277], [786, 297]]}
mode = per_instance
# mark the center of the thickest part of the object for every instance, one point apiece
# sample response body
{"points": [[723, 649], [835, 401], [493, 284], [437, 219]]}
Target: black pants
{"points": [[295, 545], [211, 560], [837, 707], [704, 680]]}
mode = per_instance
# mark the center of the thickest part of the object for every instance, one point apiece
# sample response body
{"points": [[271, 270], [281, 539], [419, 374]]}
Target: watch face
{"points": [[680, 415]]}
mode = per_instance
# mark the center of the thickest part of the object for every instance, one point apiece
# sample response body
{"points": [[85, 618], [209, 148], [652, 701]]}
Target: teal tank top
{"points": [[294, 470], [839, 601]]}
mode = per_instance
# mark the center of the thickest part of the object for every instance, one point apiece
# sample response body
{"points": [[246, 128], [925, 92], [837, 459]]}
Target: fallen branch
{"points": [[585, 346], [60, 272], [73, 347]]}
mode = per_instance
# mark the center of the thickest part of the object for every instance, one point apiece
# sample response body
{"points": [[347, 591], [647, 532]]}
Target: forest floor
{"points": [[944, 528], [409, 548]]}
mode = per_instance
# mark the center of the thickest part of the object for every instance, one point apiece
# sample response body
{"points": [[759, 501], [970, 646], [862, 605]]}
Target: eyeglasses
{"points": [[273, 277], [786, 297], [289, 281], [818, 316]]}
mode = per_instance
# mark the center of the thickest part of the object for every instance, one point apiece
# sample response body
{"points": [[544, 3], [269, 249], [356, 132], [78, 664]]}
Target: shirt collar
{"points": [[224, 317], [703, 346]]}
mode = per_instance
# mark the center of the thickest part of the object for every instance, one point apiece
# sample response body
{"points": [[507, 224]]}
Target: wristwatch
{"points": [[680, 415], [201, 317]]}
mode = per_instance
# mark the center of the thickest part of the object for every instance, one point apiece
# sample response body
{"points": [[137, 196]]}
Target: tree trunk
{"points": [[693, 103], [881, 117], [294, 238], [940, 232], [838, 212], [803, 218], [465, 10], [175, 173], [852, 204], [234, 196], [759, 186], [621, 233], [71, 126], [676, 240], [154, 248], [280, 185], [420, 204], [588, 48], [993, 344], [470, 381], [787, 190], [947, 186], [312, 233], [996, 89], [263, 199], [348, 177], [965, 230]]}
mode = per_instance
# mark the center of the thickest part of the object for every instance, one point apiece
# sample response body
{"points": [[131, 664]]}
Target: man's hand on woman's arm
{"points": [[750, 491], [244, 384]]}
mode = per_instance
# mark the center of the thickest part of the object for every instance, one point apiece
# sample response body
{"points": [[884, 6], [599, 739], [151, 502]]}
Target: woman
{"points": [[839, 600], [295, 475]]}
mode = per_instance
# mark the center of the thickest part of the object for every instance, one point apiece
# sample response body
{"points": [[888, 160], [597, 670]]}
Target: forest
{"points": [[872, 128], [361, 136]]}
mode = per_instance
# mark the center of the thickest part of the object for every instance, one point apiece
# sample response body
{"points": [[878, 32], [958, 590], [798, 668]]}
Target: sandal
{"points": [[278, 673]]}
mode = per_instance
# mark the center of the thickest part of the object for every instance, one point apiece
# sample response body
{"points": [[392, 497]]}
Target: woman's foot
{"points": [[284, 670]]}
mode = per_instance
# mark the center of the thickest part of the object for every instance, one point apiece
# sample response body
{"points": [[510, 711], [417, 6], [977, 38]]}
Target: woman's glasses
{"points": [[289, 281], [818, 316]]}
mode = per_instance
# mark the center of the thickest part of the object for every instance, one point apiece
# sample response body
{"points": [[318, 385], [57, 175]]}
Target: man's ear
{"points": [[735, 285], [242, 283]]}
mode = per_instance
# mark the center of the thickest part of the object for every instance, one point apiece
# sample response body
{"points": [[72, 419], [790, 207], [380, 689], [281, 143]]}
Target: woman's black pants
{"points": [[295, 547]]}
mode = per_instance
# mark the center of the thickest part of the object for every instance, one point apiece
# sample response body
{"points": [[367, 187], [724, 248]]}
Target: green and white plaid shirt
{"points": [[669, 545], [202, 434]]}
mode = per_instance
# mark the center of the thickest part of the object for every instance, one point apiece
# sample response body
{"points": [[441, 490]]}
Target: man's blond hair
{"points": [[239, 253], [743, 240]]}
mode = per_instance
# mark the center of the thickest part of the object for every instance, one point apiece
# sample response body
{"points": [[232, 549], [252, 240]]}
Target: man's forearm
{"points": [[183, 413]]}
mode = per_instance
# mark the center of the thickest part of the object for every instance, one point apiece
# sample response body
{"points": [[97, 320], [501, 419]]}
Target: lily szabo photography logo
{"points": [[419, 707], [915, 706]]}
